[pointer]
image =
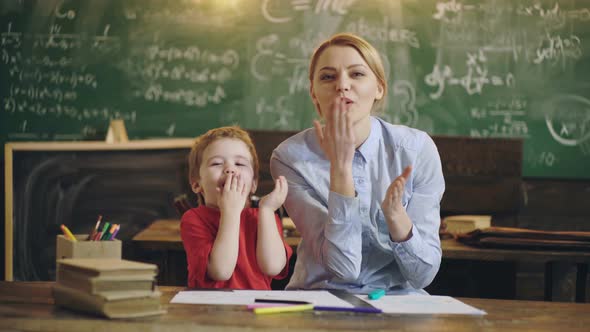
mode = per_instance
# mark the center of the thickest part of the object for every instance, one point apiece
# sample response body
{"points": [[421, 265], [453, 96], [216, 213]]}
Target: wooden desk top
{"points": [[165, 235], [21, 313]]}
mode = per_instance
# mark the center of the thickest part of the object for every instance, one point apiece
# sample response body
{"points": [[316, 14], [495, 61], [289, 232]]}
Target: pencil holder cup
{"points": [[66, 248]]}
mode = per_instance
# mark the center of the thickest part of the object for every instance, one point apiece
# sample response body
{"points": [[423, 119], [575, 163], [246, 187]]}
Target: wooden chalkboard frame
{"points": [[11, 148]]}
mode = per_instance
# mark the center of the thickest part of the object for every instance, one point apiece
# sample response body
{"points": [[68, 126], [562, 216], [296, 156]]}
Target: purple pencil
{"points": [[115, 232], [355, 309]]}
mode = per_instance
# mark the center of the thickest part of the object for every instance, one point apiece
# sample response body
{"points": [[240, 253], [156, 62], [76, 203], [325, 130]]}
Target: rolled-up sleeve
{"points": [[331, 231], [419, 257]]}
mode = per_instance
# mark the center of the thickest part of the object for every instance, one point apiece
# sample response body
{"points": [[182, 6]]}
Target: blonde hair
{"points": [[195, 157], [366, 51]]}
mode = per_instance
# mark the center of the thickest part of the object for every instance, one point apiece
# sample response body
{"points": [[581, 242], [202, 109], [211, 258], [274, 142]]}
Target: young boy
{"points": [[227, 243]]}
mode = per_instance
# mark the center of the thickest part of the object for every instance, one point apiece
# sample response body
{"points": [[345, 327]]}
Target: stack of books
{"points": [[111, 287], [462, 224]]}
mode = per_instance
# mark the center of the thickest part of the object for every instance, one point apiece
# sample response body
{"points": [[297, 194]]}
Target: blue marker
{"points": [[376, 294]]}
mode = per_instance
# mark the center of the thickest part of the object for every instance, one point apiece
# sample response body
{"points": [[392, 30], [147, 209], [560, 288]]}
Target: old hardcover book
{"points": [[107, 267], [461, 224], [99, 284], [121, 304]]}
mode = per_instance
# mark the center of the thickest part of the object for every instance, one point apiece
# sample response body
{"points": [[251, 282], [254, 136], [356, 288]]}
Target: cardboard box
{"points": [[66, 248]]}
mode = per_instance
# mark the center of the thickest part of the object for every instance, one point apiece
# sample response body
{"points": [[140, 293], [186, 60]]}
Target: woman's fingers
{"points": [[396, 189], [399, 188], [406, 172], [319, 131], [335, 113], [349, 125]]}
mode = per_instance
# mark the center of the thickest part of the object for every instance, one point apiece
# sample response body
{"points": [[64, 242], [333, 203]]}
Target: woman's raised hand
{"points": [[398, 221], [392, 204], [337, 138]]}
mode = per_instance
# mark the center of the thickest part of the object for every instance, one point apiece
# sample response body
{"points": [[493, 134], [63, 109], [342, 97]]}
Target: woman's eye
{"points": [[325, 77], [358, 74]]}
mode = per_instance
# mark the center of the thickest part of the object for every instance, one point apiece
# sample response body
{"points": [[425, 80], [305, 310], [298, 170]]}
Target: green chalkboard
{"points": [[485, 68]]}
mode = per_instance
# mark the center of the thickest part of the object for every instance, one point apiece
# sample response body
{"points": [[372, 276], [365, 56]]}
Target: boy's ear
{"points": [[196, 187], [254, 185]]}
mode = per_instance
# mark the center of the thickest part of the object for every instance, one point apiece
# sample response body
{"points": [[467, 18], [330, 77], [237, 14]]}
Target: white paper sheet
{"points": [[421, 304], [245, 297]]}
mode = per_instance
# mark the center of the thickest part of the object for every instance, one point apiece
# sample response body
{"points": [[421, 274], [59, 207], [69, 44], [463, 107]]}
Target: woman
{"points": [[365, 194]]}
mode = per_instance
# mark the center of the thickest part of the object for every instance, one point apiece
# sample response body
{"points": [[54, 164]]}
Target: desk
{"points": [[19, 312], [165, 235]]}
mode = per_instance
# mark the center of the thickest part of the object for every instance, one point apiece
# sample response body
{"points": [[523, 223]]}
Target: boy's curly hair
{"points": [[195, 157]]}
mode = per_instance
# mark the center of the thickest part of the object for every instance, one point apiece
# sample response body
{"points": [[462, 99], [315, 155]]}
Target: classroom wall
{"points": [[481, 68]]}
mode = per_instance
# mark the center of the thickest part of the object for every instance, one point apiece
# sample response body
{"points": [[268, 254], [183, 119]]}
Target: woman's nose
{"points": [[343, 84]]}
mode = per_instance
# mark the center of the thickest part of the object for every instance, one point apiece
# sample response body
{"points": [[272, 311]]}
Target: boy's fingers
{"points": [[228, 181], [241, 184], [234, 182]]}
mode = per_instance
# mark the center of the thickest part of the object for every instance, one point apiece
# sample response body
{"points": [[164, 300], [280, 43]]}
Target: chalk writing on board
{"points": [[403, 106], [547, 158], [452, 11], [13, 105], [568, 119], [279, 112], [203, 71], [49, 85], [273, 12], [64, 13], [42, 93], [555, 49], [194, 12], [197, 98], [171, 129], [448, 11], [383, 31], [473, 81], [269, 60], [501, 118], [71, 78], [554, 14]]}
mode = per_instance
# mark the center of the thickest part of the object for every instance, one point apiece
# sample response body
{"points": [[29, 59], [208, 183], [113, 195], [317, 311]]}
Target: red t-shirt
{"points": [[198, 229]]}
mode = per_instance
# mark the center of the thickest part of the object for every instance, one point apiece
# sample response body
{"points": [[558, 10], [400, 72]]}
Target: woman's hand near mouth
{"points": [[337, 140]]}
